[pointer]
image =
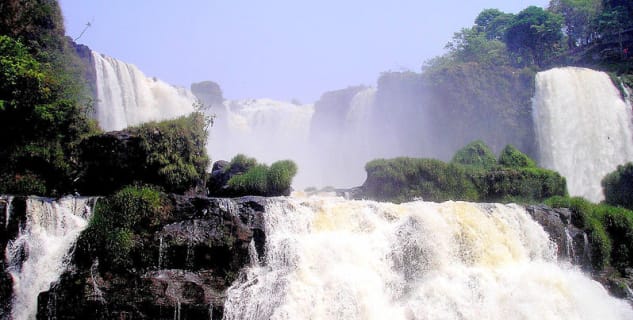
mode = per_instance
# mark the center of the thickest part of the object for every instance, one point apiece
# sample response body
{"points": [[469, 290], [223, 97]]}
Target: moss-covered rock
{"points": [[170, 154], [610, 231], [513, 158], [148, 255], [403, 179], [524, 185], [476, 154], [473, 175]]}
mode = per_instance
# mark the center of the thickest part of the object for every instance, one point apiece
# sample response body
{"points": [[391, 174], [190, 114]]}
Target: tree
{"points": [[534, 36], [618, 186], [614, 19], [493, 23], [471, 45], [579, 16]]}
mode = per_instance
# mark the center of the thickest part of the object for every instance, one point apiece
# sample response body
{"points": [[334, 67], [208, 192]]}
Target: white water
{"points": [[584, 129], [265, 129], [127, 97], [328, 258], [49, 233], [7, 210]]}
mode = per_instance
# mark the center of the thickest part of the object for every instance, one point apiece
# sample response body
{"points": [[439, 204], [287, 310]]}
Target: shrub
{"points": [[403, 179], [618, 186], [476, 154], [115, 221], [177, 150], [247, 177], [513, 158], [522, 184], [280, 176], [252, 182]]}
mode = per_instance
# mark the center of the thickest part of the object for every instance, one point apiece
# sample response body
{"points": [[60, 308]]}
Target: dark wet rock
{"points": [[9, 229], [196, 252], [572, 242]]}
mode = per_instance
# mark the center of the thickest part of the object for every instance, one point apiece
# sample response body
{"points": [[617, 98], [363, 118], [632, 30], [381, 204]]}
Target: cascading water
{"points": [[338, 259], [37, 256], [125, 96], [266, 129], [584, 128]]}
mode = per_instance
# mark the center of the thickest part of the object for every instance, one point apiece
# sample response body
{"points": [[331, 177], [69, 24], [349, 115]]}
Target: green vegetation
{"points": [[511, 157], [610, 230], [171, 154], [618, 186], [117, 220], [176, 149], [403, 179], [578, 32], [476, 154], [471, 177], [43, 102], [247, 177]]}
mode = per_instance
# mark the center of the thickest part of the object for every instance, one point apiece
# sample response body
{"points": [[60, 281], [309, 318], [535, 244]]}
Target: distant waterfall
{"points": [[328, 258], [38, 255], [584, 128], [266, 129], [126, 97]]}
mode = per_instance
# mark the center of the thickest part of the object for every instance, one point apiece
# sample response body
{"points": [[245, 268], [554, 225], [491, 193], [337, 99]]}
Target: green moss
{"points": [[513, 158], [525, 185], [610, 230], [403, 179], [476, 154], [472, 176]]}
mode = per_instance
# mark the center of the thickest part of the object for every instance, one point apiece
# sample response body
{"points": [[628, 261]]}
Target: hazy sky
{"points": [[279, 49]]}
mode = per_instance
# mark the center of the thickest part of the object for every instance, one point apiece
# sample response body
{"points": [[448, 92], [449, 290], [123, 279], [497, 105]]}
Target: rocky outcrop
{"points": [[86, 66], [329, 116], [190, 260], [208, 92], [170, 154], [572, 242]]}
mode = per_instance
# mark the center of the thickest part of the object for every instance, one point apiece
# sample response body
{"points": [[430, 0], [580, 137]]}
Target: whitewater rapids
{"points": [[329, 258]]}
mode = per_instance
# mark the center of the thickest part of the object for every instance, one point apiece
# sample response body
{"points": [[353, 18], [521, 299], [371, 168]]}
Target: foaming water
{"points": [[328, 258], [584, 129], [127, 97], [39, 254]]}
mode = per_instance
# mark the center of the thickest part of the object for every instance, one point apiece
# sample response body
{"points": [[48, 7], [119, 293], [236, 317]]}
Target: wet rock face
{"points": [[12, 214], [197, 251], [572, 242]]}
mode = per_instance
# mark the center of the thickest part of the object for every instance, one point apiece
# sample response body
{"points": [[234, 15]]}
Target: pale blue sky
{"points": [[280, 49]]}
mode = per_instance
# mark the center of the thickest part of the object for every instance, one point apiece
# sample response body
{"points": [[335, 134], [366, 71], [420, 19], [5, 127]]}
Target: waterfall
{"points": [[126, 97], [329, 258], [266, 129], [583, 127], [39, 254]]}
